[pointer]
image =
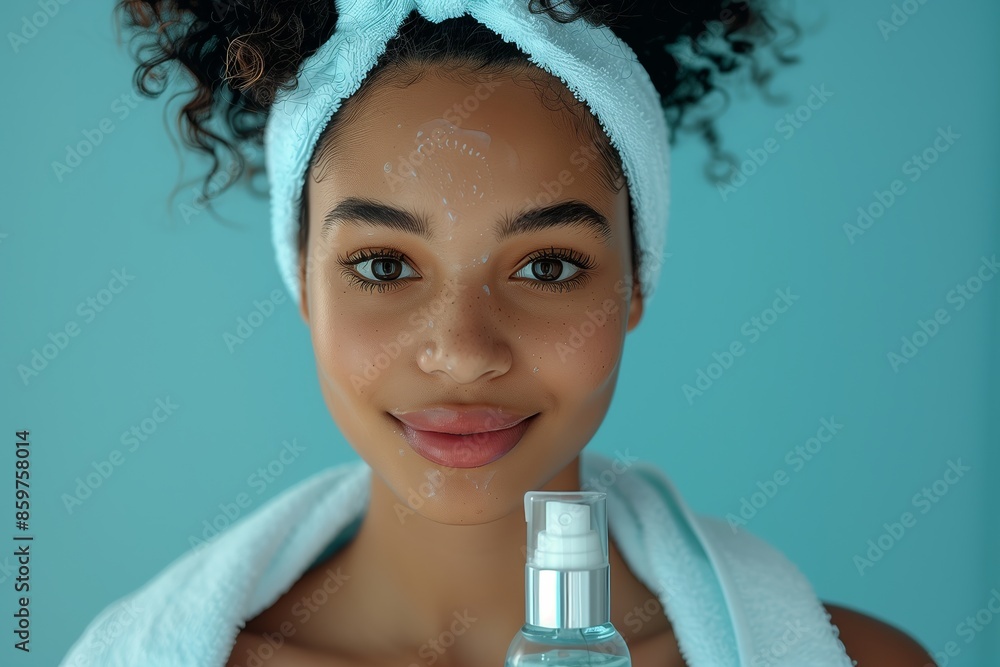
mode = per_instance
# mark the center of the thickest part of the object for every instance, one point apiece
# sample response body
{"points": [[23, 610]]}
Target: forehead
{"points": [[519, 135]]}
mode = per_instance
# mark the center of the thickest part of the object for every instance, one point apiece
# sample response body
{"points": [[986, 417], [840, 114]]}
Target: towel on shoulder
{"points": [[733, 600]]}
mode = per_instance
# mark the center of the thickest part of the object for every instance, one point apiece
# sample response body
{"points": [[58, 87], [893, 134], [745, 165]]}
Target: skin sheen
{"points": [[440, 544], [435, 574]]}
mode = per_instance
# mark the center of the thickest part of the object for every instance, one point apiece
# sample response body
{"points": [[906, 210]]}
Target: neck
{"points": [[431, 571]]}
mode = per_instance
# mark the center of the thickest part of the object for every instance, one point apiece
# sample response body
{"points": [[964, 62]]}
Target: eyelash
{"points": [[580, 261]]}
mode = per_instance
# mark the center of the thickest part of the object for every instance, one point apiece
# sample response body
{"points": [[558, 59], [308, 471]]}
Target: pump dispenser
{"points": [[567, 585]]}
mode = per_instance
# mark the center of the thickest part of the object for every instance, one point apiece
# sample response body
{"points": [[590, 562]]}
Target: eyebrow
{"points": [[359, 211]]}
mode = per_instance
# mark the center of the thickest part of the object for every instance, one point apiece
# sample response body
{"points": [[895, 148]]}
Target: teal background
{"points": [[826, 357]]}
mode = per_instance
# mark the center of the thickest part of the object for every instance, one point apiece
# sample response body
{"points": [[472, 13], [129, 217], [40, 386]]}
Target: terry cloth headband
{"points": [[596, 66]]}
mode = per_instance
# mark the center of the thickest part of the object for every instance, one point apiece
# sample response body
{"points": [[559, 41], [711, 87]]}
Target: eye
{"points": [[384, 269], [379, 269], [556, 269]]}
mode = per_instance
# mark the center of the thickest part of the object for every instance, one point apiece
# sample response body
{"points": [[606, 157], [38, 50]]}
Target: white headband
{"points": [[594, 64]]}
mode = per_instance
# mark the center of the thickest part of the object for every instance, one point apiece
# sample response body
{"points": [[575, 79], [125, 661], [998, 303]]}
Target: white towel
{"points": [[733, 600]]}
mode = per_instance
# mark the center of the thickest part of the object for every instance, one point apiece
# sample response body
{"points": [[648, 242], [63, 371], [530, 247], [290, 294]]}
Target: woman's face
{"points": [[478, 309]]}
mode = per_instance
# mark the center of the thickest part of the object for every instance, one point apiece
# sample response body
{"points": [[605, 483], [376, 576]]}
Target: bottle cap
{"points": [[566, 530], [567, 574]]}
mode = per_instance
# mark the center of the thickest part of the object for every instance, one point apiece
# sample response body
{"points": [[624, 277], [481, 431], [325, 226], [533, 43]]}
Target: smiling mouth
{"points": [[470, 450]]}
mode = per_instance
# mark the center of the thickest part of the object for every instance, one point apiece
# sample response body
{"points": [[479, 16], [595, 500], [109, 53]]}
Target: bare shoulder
{"points": [[871, 642]]}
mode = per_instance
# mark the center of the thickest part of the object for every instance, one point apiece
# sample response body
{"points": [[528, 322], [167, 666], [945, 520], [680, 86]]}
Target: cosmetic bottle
{"points": [[567, 585]]}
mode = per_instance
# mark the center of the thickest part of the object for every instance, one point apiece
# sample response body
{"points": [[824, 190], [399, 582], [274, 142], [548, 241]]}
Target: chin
{"points": [[459, 496]]}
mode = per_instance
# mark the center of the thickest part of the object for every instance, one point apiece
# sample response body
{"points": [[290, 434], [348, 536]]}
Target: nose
{"points": [[466, 341]]}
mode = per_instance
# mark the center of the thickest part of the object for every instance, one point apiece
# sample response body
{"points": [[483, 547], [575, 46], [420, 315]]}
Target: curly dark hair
{"points": [[242, 53]]}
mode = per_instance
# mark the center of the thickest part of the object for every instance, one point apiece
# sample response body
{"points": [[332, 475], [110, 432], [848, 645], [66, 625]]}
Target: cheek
{"points": [[580, 352], [357, 347]]}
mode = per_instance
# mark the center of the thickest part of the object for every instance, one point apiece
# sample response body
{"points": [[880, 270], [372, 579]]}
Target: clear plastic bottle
{"points": [[567, 585]]}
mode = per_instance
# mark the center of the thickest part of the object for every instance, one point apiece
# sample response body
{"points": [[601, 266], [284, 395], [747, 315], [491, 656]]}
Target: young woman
{"points": [[462, 217]]}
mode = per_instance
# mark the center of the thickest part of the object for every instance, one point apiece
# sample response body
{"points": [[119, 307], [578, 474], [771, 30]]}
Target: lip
{"points": [[458, 420], [466, 447]]}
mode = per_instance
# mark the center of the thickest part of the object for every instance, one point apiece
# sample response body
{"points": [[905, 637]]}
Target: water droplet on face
{"points": [[399, 125], [480, 483], [484, 257], [428, 351], [401, 452], [430, 323], [486, 288], [387, 167], [535, 369]]}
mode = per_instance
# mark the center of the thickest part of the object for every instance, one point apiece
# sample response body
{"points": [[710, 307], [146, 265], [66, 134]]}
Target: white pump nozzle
{"points": [[568, 540]]}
